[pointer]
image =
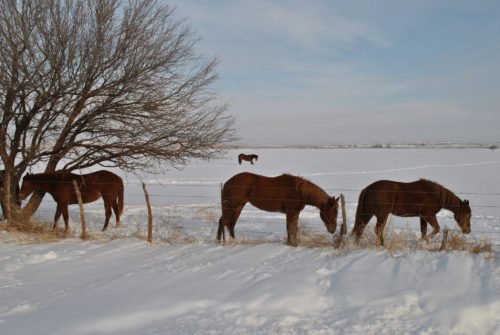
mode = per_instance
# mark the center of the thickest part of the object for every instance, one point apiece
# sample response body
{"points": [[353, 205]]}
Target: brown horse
{"points": [[286, 193], [92, 186], [422, 198], [249, 158]]}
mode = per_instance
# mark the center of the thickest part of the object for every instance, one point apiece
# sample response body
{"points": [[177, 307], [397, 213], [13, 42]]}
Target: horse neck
{"points": [[312, 194], [449, 200], [44, 185]]}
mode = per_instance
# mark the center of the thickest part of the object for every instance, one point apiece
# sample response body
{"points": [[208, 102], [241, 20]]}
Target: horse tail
{"points": [[239, 159], [120, 199]]}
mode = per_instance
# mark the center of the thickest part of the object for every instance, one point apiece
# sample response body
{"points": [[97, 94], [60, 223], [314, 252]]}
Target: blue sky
{"points": [[325, 72]]}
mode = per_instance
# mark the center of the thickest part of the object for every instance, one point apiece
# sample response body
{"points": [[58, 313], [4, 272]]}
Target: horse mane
{"points": [[446, 198], [309, 191]]}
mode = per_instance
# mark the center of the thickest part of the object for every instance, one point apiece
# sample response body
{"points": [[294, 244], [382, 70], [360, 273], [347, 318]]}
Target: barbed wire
{"points": [[216, 196], [221, 183]]}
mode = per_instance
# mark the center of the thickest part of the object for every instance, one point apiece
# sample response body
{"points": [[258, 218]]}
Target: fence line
{"points": [[216, 196], [216, 184]]}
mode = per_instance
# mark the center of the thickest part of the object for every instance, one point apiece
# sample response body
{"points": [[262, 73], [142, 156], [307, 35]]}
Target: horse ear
{"points": [[333, 200], [466, 202]]}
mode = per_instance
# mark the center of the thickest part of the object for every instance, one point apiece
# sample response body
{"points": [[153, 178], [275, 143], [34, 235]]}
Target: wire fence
{"points": [[182, 205]]}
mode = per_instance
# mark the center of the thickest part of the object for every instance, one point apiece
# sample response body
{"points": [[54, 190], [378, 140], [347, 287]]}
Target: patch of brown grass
{"points": [[456, 241], [175, 234], [29, 231], [310, 238], [406, 240], [210, 214]]}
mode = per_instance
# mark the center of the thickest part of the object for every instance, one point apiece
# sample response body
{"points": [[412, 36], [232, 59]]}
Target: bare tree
{"points": [[103, 82]]}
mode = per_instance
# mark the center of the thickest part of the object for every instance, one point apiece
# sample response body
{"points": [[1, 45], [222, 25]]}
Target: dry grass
{"points": [[210, 214], [405, 240], [309, 238], [29, 231], [32, 231], [457, 242], [175, 234]]}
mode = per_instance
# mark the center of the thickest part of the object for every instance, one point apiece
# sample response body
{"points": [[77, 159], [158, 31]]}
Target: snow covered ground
{"points": [[183, 283]]}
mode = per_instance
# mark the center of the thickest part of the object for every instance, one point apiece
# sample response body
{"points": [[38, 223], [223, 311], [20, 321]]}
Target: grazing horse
{"points": [[249, 158], [92, 186], [422, 198], [286, 193]]}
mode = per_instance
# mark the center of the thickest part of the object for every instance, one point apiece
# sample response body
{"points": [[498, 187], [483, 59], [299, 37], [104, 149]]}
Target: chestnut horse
{"points": [[249, 158], [286, 193], [422, 198], [92, 186]]}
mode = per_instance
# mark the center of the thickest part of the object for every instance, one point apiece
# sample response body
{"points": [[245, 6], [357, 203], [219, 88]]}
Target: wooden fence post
{"points": [[344, 218], [343, 227], [150, 215], [82, 213]]}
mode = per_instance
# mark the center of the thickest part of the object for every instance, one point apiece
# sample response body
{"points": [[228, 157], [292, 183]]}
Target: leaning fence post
{"points": [[82, 213], [150, 215], [343, 227]]}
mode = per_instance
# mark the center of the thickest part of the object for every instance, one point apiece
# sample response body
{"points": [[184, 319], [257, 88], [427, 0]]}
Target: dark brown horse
{"points": [[422, 198], [92, 186], [286, 193], [249, 158]]}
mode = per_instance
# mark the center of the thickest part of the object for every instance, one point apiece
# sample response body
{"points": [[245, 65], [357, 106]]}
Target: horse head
{"points": [[26, 188], [328, 213], [462, 216]]}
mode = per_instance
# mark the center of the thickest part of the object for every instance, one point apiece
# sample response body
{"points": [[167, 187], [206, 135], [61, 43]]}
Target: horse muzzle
{"points": [[332, 228]]}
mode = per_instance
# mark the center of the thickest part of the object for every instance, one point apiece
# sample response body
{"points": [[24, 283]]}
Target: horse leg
{"points": [[435, 225], [292, 219], [423, 227], [221, 231], [56, 218], [379, 229], [64, 210], [234, 217], [117, 213], [359, 226], [107, 209]]}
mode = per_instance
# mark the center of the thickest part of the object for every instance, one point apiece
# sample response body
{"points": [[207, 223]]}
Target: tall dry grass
{"points": [[33, 231], [29, 231]]}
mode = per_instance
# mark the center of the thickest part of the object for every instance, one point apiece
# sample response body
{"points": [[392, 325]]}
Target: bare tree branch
{"points": [[104, 82]]}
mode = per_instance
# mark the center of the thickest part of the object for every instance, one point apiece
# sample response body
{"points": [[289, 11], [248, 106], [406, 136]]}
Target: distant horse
{"points": [[421, 198], [92, 186], [286, 193], [249, 158]]}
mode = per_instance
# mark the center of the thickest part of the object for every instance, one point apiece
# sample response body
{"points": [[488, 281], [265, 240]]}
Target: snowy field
{"points": [[183, 283]]}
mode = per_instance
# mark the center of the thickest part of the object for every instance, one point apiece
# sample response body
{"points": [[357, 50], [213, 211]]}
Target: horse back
{"points": [[267, 193], [92, 185], [399, 198], [101, 181]]}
